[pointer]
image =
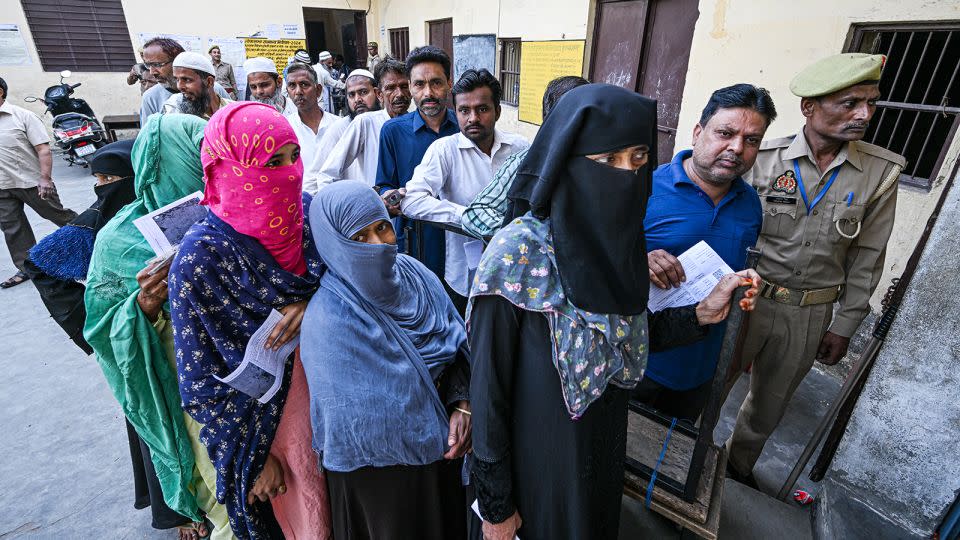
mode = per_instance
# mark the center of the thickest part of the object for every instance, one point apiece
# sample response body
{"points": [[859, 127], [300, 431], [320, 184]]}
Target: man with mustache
{"points": [[361, 97], [701, 196], [828, 208], [309, 121], [404, 140], [158, 55], [456, 168], [263, 81], [195, 77], [357, 149]]}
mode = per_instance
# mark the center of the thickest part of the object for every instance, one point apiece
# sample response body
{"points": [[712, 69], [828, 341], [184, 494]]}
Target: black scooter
{"points": [[76, 130]]}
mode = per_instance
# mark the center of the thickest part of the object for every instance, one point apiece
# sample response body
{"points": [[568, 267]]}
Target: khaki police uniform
{"points": [[811, 260]]}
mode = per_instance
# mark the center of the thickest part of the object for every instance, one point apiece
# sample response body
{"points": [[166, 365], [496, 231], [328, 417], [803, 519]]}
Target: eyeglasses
{"points": [[156, 65]]}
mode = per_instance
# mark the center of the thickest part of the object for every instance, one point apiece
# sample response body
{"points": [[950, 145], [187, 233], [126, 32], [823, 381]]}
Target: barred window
{"points": [[510, 70], [80, 35], [400, 43]]}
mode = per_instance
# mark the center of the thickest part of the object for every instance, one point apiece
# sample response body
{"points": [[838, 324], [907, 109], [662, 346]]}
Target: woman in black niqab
{"points": [[558, 323]]}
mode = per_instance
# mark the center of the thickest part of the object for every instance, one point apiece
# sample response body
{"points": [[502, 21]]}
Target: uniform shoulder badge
{"points": [[785, 183]]}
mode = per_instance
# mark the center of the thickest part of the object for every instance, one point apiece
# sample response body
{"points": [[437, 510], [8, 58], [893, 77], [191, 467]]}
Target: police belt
{"points": [[799, 297]]}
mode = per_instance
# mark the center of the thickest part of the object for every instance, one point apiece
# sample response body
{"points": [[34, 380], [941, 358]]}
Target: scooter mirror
{"points": [[65, 74], [30, 99]]}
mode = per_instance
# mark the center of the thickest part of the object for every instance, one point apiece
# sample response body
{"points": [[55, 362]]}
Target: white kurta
{"points": [[355, 155]]}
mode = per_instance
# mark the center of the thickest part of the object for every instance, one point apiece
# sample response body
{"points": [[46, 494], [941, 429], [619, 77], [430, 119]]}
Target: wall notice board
{"points": [[278, 50], [540, 63]]}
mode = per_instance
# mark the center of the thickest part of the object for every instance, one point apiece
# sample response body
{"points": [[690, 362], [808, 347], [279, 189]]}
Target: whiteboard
{"points": [[474, 52]]}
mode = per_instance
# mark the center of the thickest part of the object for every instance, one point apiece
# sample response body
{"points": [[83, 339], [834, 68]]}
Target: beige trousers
{"points": [[782, 343]]}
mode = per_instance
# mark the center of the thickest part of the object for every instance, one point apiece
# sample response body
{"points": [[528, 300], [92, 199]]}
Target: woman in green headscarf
{"points": [[128, 323]]}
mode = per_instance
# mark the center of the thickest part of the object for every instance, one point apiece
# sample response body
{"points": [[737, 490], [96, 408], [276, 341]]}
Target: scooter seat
{"points": [[71, 119]]}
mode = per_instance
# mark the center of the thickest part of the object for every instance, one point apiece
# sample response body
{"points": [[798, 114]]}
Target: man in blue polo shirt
{"points": [[404, 140], [700, 195]]}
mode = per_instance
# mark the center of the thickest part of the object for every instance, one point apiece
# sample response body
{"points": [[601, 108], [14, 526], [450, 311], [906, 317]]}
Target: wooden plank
{"points": [[645, 440]]}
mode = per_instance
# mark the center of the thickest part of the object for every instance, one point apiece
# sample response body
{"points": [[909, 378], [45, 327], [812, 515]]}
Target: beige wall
{"points": [[108, 93]]}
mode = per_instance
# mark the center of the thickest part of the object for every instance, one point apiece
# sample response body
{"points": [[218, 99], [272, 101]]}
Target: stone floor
{"points": [[64, 463]]}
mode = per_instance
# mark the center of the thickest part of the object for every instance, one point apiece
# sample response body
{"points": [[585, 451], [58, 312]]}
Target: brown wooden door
{"points": [[360, 22], [644, 45], [441, 35], [618, 42], [663, 72]]}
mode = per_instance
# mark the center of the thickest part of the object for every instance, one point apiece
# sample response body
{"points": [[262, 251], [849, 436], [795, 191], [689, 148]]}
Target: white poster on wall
{"points": [[187, 41], [292, 31], [13, 48], [234, 53]]}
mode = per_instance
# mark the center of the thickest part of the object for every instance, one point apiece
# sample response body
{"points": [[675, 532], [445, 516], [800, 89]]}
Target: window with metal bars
{"points": [[400, 43], [919, 111], [510, 70], [80, 35]]}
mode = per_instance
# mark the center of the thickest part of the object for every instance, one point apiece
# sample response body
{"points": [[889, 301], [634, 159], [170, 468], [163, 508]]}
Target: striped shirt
{"points": [[484, 215]]}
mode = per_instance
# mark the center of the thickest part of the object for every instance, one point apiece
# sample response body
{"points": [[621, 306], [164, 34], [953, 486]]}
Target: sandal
{"points": [[193, 531], [17, 279]]}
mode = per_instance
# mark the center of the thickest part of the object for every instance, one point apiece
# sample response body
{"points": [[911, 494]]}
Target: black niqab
{"points": [[596, 211], [113, 159]]}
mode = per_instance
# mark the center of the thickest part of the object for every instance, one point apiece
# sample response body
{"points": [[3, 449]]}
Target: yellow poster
{"points": [[278, 50], [540, 63]]}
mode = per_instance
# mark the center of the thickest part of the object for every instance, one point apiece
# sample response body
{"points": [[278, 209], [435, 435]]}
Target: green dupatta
{"points": [[166, 159]]}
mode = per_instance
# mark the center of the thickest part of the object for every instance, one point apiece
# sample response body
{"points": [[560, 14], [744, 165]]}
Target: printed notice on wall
{"points": [[188, 42], [540, 63], [278, 50], [13, 49]]}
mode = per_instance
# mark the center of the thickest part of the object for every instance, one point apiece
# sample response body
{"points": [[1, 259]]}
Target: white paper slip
{"points": [[476, 510], [260, 374], [703, 268], [165, 227]]}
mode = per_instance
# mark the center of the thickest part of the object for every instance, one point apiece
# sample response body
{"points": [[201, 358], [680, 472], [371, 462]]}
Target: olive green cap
{"points": [[837, 72]]}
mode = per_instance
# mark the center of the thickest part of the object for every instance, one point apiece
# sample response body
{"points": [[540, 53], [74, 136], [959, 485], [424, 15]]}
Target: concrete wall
{"points": [[108, 93], [896, 471]]}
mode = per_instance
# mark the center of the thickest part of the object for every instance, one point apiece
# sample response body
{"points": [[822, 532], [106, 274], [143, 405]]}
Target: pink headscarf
{"points": [[263, 202]]}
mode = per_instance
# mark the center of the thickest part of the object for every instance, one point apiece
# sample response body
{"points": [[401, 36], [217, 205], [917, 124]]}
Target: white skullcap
{"points": [[361, 73], [325, 55], [259, 65], [196, 61]]}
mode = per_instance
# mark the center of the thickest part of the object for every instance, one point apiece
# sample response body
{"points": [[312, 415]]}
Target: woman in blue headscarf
{"points": [[385, 355]]}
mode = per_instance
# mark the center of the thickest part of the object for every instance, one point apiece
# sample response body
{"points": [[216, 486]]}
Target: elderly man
{"points": [[456, 168], [404, 141], [195, 81], [361, 98], [25, 168], [701, 196], [373, 56], [308, 119], [484, 216], [263, 81], [224, 74], [327, 81], [355, 155], [158, 55], [828, 207]]}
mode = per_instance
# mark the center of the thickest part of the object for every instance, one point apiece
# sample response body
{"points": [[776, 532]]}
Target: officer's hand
{"points": [[832, 348], [665, 269]]}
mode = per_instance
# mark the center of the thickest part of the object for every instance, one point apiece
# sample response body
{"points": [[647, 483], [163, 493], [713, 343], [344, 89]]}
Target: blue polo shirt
{"points": [[679, 215], [403, 142]]}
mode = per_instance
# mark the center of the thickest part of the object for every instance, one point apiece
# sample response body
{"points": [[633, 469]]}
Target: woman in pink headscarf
{"points": [[251, 255]]}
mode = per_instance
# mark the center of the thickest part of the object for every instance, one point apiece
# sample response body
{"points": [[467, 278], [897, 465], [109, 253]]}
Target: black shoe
{"points": [[745, 479]]}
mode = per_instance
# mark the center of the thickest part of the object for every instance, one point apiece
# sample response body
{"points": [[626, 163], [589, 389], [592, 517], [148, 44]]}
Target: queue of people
{"points": [[497, 365]]}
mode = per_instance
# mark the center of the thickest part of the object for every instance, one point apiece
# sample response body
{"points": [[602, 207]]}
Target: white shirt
{"points": [[355, 155], [333, 133], [453, 171], [305, 135], [328, 82]]}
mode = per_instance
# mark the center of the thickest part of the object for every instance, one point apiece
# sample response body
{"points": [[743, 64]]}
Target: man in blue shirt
{"points": [[700, 195], [404, 140]]}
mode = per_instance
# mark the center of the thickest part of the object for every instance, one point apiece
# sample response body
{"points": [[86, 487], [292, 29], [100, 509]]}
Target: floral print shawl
{"points": [[223, 285], [590, 350]]}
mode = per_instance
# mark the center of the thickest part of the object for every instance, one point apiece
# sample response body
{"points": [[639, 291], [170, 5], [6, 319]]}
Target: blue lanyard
{"points": [[803, 189]]}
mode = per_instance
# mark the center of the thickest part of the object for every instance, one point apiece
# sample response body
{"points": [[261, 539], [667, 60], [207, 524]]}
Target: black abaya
{"points": [[563, 476]]}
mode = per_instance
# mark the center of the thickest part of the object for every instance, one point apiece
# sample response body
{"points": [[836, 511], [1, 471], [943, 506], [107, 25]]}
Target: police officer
{"points": [[828, 201]]}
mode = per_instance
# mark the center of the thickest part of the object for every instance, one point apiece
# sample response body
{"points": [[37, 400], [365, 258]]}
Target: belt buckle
{"points": [[782, 295]]}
